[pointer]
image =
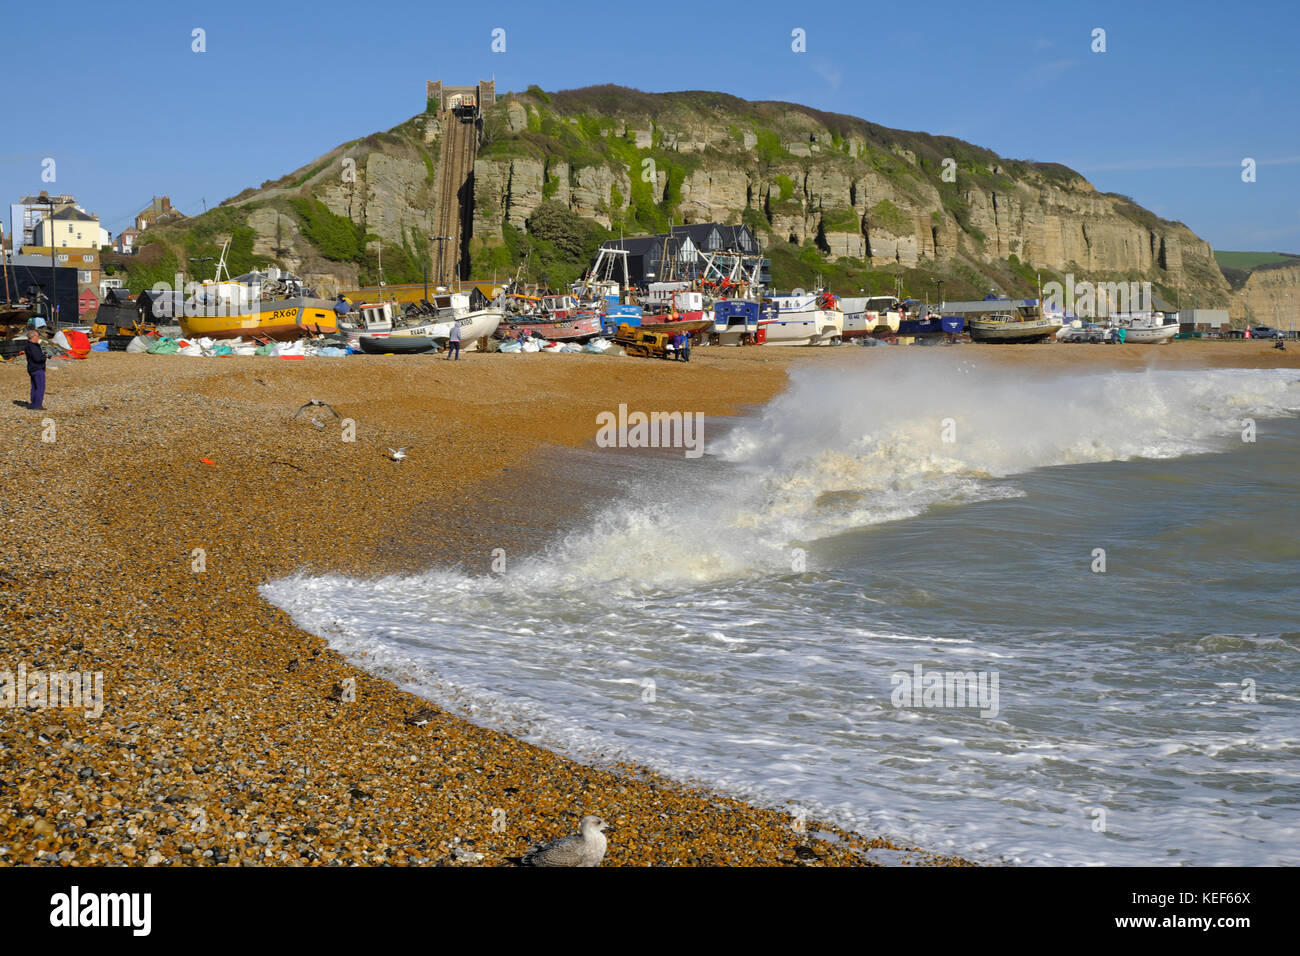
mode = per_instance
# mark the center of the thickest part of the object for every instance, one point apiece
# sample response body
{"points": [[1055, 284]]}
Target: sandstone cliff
{"points": [[632, 162], [1270, 296], [855, 189]]}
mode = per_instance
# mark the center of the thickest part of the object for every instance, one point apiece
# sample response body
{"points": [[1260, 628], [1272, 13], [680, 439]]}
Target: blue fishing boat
{"points": [[616, 315], [741, 321]]}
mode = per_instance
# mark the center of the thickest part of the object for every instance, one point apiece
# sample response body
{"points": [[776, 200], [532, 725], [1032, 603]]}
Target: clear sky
{"points": [[115, 94]]}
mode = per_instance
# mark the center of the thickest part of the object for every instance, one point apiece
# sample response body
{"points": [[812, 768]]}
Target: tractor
{"points": [[642, 344]]}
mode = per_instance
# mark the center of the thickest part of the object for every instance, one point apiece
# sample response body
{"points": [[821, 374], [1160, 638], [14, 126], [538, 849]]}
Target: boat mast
{"points": [[221, 262], [4, 264]]}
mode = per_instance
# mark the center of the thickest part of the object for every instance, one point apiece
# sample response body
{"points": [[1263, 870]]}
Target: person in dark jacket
{"points": [[342, 307], [36, 370], [686, 347]]}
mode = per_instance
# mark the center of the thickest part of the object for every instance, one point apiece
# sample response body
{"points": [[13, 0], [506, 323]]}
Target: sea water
{"points": [[1108, 563]]}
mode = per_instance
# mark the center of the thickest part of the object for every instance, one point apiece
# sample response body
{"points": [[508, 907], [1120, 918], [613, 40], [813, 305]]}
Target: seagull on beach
{"points": [[398, 454], [316, 403], [422, 717], [585, 848]]}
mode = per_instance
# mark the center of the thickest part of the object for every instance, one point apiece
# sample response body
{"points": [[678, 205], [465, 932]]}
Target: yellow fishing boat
{"points": [[280, 319], [270, 304]]}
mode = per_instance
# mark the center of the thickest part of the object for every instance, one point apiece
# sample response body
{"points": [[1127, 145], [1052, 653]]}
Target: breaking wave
{"points": [[769, 676]]}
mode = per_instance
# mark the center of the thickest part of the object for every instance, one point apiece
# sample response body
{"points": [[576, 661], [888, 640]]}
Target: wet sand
{"points": [[222, 737]]}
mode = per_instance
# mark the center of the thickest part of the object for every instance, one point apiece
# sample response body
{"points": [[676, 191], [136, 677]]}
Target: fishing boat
{"points": [[578, 329], [1147, 328], [1004, 327], [674, 298], [1077, 330], [555, 317], [741, 322], [616, 315], [918, 320], [473, 326], [684, 313], [424, 318], [378, 320], [279, 319], [805, 318], [674, 307], [870, 315], [270, 305]]}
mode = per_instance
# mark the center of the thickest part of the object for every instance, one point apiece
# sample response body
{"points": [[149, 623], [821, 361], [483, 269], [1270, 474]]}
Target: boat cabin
{"points": [[559, 306], [375, 317]]}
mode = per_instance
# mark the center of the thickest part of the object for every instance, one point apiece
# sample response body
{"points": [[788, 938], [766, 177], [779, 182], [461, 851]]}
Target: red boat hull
{"points": [[569, 330], [688, 322]]}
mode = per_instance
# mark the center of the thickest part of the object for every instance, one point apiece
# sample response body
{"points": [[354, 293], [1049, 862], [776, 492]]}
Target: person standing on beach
{"points": [[35, 370], [686, 347], [453, 341]]}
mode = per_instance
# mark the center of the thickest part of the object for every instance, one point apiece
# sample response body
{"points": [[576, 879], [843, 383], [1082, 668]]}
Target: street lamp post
{"points": [[54, 279], [439, 239], [200, 260]]}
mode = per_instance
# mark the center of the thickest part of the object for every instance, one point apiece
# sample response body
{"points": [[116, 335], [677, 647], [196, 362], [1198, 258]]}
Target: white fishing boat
{"points": [[473, 326], [805, 318], [1147, 328], [382, 319], [862, 316]]}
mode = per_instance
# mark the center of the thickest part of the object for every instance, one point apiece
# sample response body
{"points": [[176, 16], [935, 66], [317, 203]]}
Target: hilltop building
{"points": [[157, 213], [69, 228], [125, 244], [26, 214]]}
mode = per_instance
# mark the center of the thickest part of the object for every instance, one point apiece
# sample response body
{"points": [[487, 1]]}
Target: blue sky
{"points": [[1182, 94]]}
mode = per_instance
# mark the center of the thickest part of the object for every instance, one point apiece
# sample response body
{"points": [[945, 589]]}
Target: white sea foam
{"points": [[559, 647]]}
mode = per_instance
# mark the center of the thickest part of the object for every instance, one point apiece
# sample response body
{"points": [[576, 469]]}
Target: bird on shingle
{"points": [[316, 403], [584, 848], [422, 717]]}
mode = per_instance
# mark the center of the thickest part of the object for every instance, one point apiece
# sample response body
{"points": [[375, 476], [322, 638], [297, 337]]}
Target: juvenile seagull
{"points": [[316, 403], [422, 717], [397, 454], [585, 848]]}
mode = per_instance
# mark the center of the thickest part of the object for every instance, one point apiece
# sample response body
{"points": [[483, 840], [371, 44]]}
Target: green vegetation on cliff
{"points": [[810, 185]]}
